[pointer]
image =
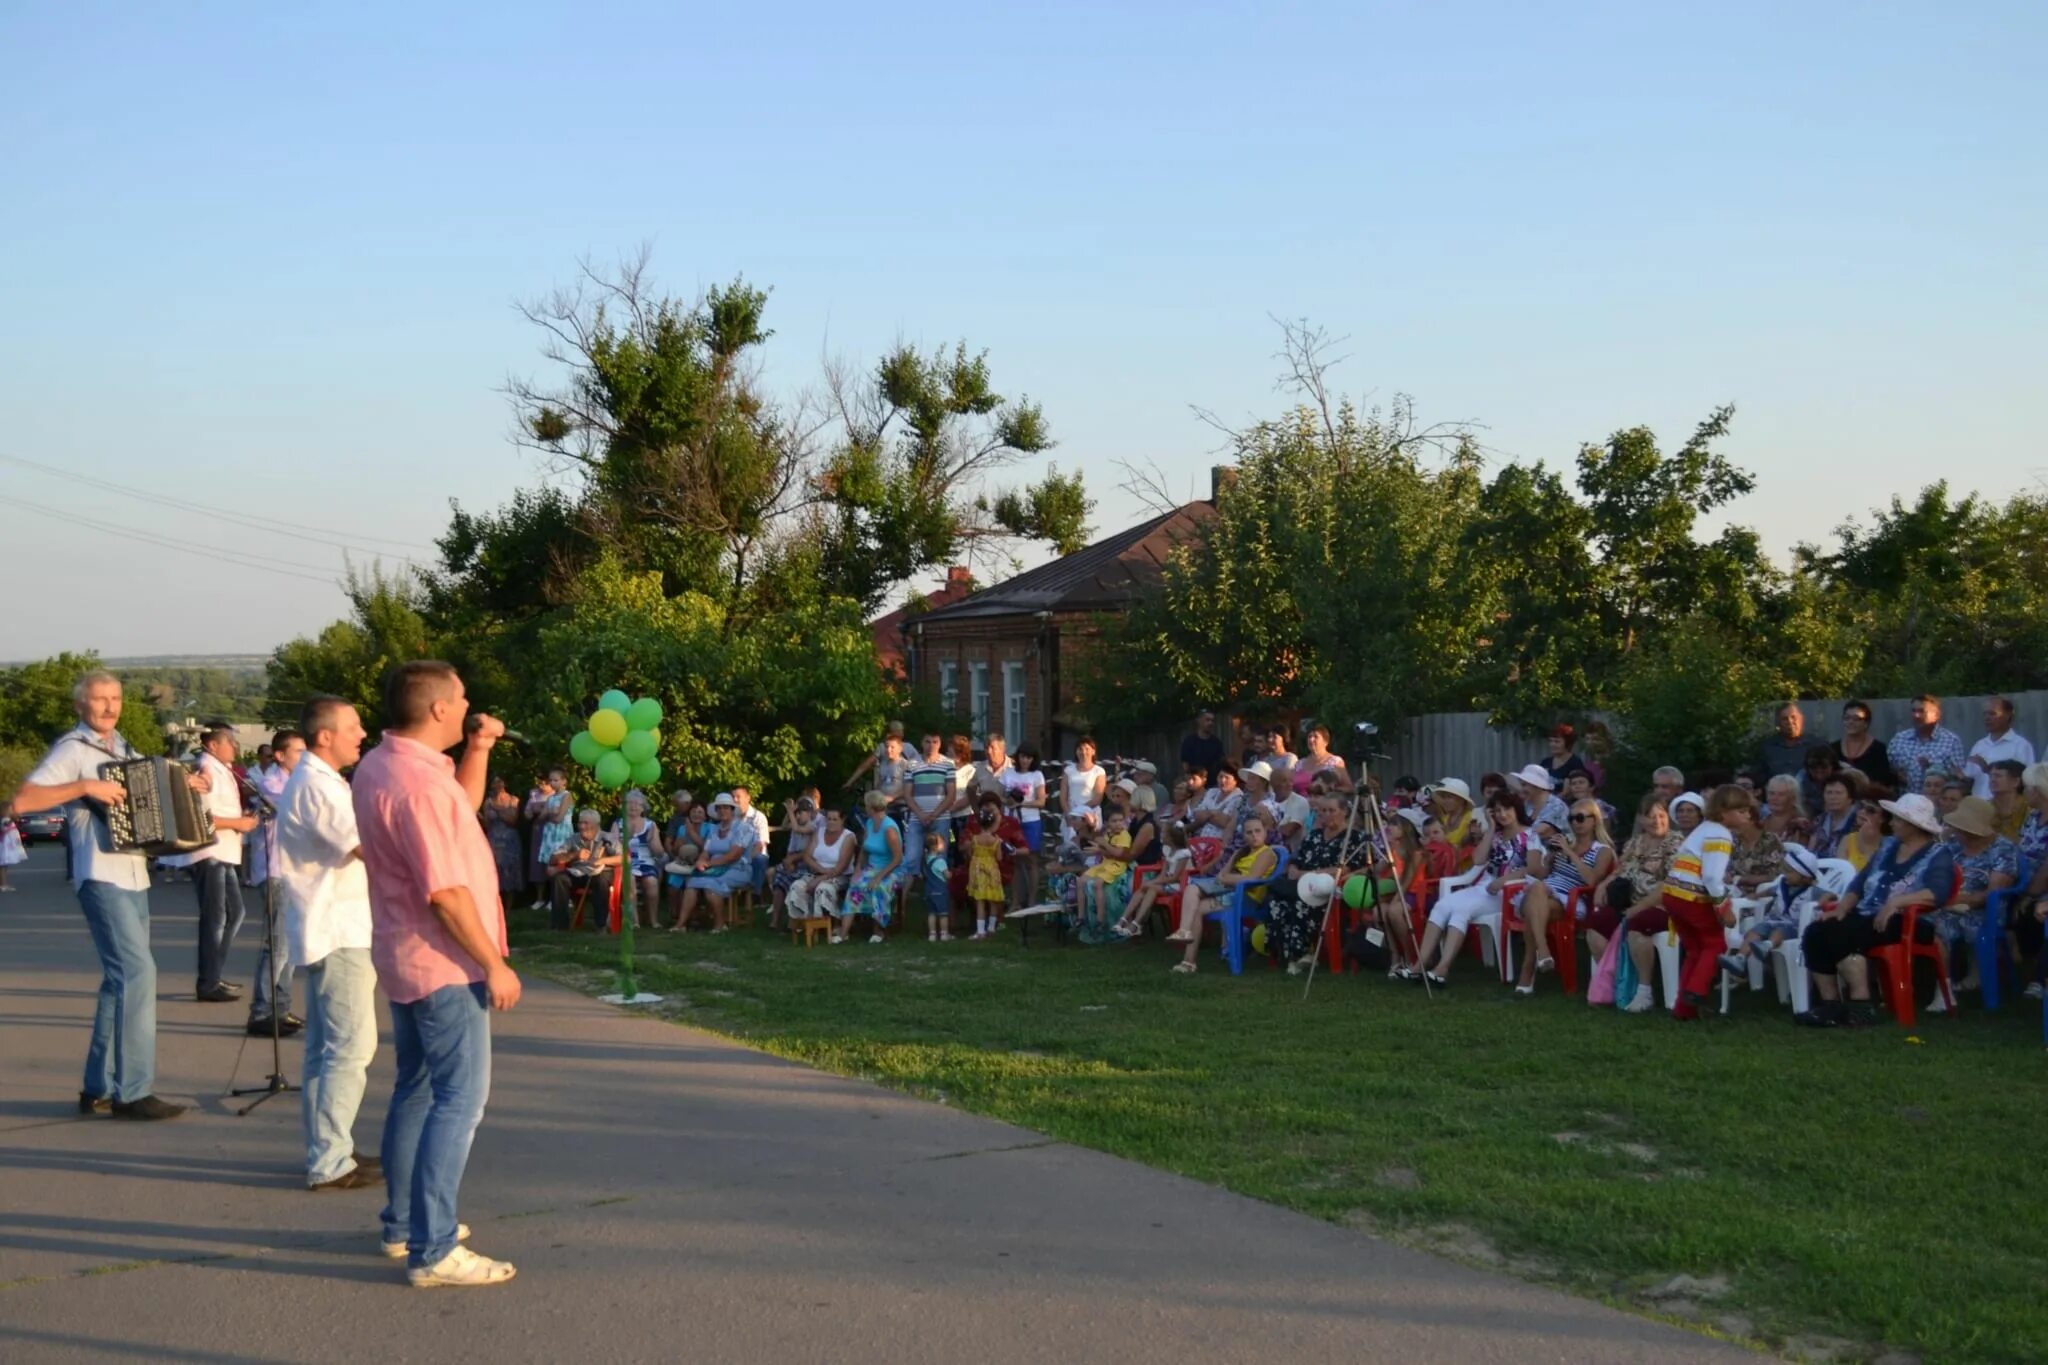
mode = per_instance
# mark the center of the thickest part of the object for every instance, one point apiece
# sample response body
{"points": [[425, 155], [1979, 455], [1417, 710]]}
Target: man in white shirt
{"points": [[273, 970], [754, 816], [216, 869], [325, 900], [113, 891], [2002, 742]]}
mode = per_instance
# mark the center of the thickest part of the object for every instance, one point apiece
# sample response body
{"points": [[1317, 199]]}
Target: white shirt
{"points": [[326, 891], [1292, 809], [1023, 784], [76, 757], [223, 798], [1988, 751], [758, 821], [271, 781]]}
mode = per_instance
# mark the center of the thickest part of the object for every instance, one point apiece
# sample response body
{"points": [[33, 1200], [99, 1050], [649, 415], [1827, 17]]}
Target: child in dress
{"points": [[938, 898], [985, 876], [1102, 874], [11, 851], [1779, 919], [1173, 871]]}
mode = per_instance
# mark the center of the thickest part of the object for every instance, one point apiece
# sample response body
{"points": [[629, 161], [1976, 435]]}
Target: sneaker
{"points": [[1938, 1005], [354, 1178], [1824, 1014], [217, 995], [1862, 1014], [1735, 964], [396, 1250], [1642, 1002], [876, 938], [461, 1268], [95, 1104], [148, 1109], [2033, 991]]}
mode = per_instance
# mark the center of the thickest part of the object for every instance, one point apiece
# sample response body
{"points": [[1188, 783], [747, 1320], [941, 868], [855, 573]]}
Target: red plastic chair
{"points": [[1561, 934], [1895, 962]]}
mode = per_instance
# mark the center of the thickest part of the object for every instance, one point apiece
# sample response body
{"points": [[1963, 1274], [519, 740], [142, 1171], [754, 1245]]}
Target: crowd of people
{"points": [[978, 836]]}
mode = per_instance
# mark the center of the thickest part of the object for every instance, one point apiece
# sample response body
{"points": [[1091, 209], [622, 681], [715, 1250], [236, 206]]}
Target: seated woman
{"points": [[1864, 838], [1505, 855], [1757, 857], [1319, 759], [822, 871], [641, 838], [1837, 818], [684, 840], [1563, 759], [723, 866], [872, 891], [1450, 801], [586, 863], [1560, 865], [1206, 895], [1295, 904], [1637, 879], [1130, 840], [1785, 816], [1912, 868], [2029, 910], [1988, 863]]}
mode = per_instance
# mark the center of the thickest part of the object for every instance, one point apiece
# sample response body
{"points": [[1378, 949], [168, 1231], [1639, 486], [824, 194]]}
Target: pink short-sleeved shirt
{"points": [[420, 835]]}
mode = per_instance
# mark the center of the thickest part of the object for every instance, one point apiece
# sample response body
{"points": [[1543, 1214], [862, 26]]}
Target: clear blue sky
{"points": [[264, 256]]}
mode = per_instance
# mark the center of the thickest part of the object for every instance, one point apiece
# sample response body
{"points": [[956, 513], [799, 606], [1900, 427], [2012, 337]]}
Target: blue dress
{"points": [[735, 874]]}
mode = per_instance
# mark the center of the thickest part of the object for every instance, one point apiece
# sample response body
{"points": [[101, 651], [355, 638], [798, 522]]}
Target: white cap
{"points": [[1535, 775]]}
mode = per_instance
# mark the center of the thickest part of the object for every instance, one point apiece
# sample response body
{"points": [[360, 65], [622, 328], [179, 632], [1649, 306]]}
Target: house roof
{"points": [[888, 628], [1100, 577]]}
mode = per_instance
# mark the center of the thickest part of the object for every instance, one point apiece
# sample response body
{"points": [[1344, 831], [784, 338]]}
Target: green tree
{"points": [[36, 707], [1693, 695], [351, 658]]}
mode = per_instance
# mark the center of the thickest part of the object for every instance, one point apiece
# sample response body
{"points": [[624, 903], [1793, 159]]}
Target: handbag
{"points": [[1601, 989], [1625, 982]]}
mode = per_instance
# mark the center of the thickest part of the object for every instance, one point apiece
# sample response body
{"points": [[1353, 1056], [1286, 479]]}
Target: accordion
{"points": [[162, 814]]}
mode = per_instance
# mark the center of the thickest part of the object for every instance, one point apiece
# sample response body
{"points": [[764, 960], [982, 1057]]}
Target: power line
{"points": [[235, 557], [298, 531]]}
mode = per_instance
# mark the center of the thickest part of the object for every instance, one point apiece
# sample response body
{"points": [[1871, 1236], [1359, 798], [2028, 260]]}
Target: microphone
{"points": [[473, 724]]}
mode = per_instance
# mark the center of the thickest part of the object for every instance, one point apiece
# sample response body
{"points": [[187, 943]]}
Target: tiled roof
{"points": [[1103, 576]]}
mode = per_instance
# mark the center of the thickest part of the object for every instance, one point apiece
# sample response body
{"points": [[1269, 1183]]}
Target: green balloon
{"points": [[1354, 892], [640, 745], [648, 773], [584, 749], [614, 700], [607, 728], [643, 714], [612, 771]]}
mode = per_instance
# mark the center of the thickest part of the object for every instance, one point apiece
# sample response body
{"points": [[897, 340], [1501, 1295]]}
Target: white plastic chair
{"points": [[1789, 962], [1490, 918]]}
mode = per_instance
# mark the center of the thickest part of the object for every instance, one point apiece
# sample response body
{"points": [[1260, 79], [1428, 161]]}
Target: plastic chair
{"points": [[1561, 934], [1896, 960], [1990, 945], [583, 895], [1478, 945], [1242, 908]]}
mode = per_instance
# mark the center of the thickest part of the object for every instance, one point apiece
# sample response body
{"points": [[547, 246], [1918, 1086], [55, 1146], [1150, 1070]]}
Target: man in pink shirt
{"points": [[438, 942]]}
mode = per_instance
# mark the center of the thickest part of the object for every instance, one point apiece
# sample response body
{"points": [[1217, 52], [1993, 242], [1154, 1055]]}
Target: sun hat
{"points": [[1126, 786], [1915, 810], [724, 799], [1801, 859], [1415, 816], [1261, 770], [1456, 787], [1693, 799], [1535, 775], [1974, 815]]}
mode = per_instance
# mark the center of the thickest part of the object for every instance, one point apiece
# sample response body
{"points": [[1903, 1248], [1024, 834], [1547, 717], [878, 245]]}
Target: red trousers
{"points": [[1701, 943]]}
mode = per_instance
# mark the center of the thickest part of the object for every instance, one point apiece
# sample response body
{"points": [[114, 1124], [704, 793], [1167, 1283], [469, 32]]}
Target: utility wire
{"points": [[235, 557], [298, 531]]}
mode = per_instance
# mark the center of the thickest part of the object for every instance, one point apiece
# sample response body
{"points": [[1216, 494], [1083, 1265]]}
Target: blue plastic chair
{"points": [[1990, 945], [1243, 911]]}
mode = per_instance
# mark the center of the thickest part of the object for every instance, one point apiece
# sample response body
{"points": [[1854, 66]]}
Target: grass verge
{"points": [[1833, 1195]]}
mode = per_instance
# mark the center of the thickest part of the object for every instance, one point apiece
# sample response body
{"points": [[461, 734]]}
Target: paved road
{"points": [[668, 1196]]}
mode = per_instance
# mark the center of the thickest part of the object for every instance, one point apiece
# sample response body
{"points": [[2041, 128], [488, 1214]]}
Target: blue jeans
{"points": [[444, 1077], [121, 1062], [273, 989], [220, 916], [341, 1038]]}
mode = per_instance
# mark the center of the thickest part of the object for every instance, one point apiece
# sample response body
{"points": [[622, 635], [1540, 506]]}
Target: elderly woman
{"points": [[1988, 863], [1636, 881], [1319, 759], [1213, 824], [723, 866], [1504, 852], [1206, 895], [1547, 809], [1785, 810], [1912, 868], [822, 869], [1837, 818], [1758, 856], [1296, 902], [1559, 865], [872, 892], [640, 837], [1687, 810], [586, 863]]}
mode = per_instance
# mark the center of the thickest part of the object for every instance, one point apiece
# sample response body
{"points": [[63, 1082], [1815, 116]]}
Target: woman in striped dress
{"points": [[1561, 865]]}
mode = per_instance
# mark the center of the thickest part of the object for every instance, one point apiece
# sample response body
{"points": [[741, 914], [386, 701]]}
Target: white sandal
{"points": [[1182, 969], [461, 1267]]}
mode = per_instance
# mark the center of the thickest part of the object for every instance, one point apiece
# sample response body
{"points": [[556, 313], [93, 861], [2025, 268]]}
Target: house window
{"points": [[977, 693], [1013, 703], [949, 687]]}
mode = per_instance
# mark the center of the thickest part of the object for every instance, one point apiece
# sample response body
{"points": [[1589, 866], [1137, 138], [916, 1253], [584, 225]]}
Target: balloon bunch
{"points": [[622, 741]]}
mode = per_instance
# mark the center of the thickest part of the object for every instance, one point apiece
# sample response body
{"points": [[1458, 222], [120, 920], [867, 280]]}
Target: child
{"points": [[1102, 874], [803, 828], [938, 900], [1780, 917], [1173, 873], [1205, 895], [985, 872], [11, 851], [1438, 853]]}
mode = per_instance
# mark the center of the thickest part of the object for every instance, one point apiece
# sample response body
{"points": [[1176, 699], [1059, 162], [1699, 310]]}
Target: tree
{"points": [[351, 658], [36, 707]]}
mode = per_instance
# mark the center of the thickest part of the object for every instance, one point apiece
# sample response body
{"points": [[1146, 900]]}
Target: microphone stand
{"points": [[277, 1083]]}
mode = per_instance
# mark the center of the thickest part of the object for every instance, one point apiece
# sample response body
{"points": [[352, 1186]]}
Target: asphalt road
{"points": [[666, 1196]]}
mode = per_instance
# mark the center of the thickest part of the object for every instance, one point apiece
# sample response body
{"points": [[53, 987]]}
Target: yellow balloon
{"points": [[608, 728]]}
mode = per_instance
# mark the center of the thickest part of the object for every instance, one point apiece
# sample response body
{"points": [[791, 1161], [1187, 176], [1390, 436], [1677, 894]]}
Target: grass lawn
{"points": [[1847, 1191]]}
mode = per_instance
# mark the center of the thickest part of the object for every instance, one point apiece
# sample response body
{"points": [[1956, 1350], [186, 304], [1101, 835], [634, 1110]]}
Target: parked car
{"points": [[44, 825]]}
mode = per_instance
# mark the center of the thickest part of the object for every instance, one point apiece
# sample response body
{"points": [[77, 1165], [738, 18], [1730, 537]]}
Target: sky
{"points": [[259, 263]]}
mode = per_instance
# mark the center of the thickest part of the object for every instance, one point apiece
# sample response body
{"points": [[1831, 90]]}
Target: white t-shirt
{"points": [[1987, 751], [326, 890], [757, 820], [1023, 785], [76, 757], [1078, 789], [224, 798], [1291, 810]]}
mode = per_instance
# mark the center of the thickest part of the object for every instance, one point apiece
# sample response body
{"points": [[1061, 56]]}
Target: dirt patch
{"points": [[1600, 1146], [1462, 1243], [1820, 1348], [716, 968], [1397, 1178]]}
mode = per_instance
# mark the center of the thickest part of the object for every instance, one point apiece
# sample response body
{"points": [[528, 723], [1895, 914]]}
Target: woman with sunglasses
{"points": [[1559, 865]]}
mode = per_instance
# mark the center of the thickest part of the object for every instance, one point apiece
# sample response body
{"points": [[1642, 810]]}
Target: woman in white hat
{"points": [[1911, 868], [722, 865], [1539, 794], [1451, 802]]}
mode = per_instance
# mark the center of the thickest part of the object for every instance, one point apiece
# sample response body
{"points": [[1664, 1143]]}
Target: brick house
{"points": [[994, 656], [891, 631]]}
